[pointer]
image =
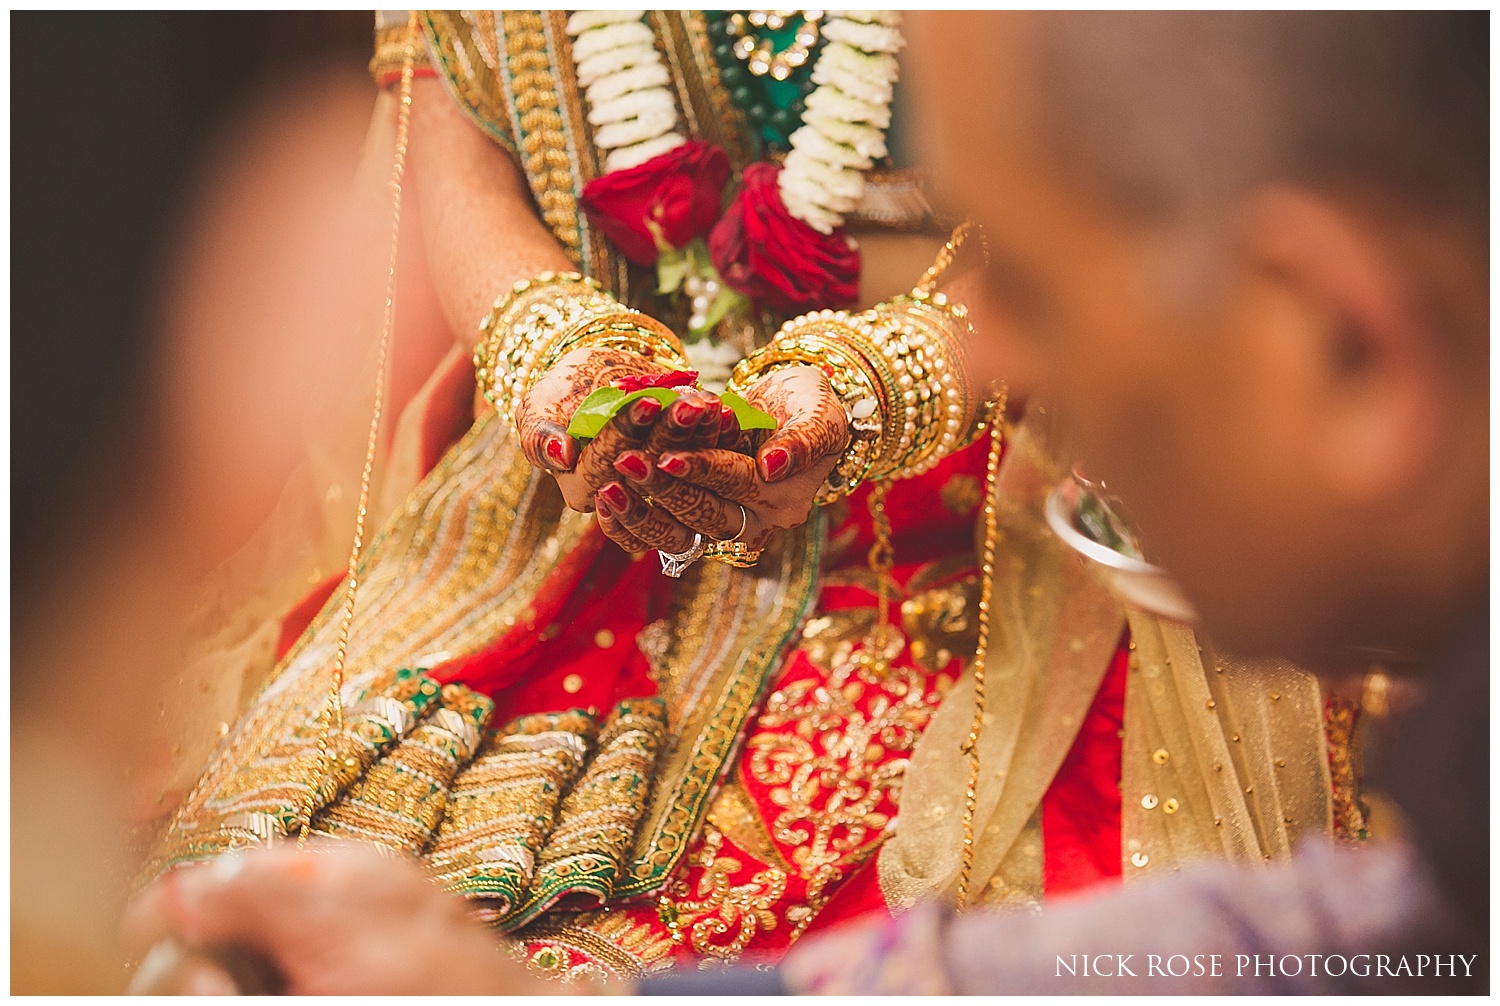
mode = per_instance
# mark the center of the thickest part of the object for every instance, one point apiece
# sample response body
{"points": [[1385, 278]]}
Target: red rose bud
{"points": [[678, 193], [770, 256], [640, 382]]}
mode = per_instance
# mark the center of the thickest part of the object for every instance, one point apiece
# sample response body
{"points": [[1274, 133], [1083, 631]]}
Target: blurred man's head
{"points": [[1247, 255]]}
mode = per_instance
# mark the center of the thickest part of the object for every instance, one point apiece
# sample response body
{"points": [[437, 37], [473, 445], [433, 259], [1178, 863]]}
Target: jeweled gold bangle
{"points": [[542, 319], [930, 324], [821, 339], [901, 373]]}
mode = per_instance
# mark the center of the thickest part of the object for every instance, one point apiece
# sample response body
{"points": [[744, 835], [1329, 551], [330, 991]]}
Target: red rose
{"points": [[770, 256], [631, 383], [680, 192]]}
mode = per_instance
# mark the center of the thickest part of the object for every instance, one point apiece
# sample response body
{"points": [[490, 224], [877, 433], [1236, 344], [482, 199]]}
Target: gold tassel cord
{"points": [[333, 714], [970, 746]]}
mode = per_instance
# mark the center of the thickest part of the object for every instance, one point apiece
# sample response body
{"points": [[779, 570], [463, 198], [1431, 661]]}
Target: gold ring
{"points": [[733, 553], [744, 523]]}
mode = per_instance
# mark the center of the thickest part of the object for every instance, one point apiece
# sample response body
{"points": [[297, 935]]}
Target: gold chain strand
{"points": [[882, 559], [333, 715], [945, 256], [970, 747]]}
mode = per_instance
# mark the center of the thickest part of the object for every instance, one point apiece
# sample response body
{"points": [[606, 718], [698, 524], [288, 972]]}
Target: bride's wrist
{"points": [[540, 320]]}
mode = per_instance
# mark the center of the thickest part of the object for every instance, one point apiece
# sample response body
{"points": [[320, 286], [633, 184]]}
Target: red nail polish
{"points": [[614, 495], [633, 466], [686, 413], [672, 464], [726, 418], [775, 462], [645, 410], [555, 450]]}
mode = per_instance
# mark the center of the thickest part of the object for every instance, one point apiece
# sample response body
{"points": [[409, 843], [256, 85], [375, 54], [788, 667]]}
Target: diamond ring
{"points": [[673, 564]]}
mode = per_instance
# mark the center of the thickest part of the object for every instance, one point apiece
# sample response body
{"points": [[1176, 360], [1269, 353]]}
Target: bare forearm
{"points": [[481, 231]]}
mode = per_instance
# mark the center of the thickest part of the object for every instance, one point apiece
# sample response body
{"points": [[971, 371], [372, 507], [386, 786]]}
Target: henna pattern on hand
{"points": [[812, 424], [678, 428], [694, 507], [543, 414], [651, 526]]}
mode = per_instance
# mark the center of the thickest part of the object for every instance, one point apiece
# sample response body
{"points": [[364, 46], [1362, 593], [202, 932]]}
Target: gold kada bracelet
{"points": [[540, 320], [901, 373]]}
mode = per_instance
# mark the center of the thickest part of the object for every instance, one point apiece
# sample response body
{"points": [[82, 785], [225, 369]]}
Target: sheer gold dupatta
{"points": [[1221, 757]]}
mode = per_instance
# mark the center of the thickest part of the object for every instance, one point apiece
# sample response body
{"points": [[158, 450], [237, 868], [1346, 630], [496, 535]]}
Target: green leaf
{"points": [[671, 270], [726, 301], [603, 405], [749, 417], [698, 260]]}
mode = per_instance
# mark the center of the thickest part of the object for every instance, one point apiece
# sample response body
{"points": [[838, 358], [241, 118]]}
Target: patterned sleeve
{"points": [[465, 49]]}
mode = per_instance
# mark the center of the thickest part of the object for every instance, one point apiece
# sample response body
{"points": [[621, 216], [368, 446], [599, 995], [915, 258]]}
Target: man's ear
{"points": [[1373, 371]]}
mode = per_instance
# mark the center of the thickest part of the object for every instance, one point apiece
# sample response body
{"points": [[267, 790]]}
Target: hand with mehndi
{"points": [[542, 418], [699, 487]]}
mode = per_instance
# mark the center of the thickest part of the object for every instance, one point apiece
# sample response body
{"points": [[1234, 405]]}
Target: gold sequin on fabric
{"points": [[503, 806], [961, 494], [715, 907]]}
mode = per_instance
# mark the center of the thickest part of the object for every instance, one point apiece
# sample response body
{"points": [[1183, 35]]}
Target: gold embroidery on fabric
{"points": [[961, 494], [721, 674], [399, 801], [597, 822], [466, 71], [390, 51], [739, 820], [616, 941], [710, 113], [831, 771], [716, 907], [546, 154], [504, 804]]}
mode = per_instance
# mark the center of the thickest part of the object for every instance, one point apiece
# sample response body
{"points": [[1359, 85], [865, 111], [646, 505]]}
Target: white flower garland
{"points": [[843, 128], [625, 85]]}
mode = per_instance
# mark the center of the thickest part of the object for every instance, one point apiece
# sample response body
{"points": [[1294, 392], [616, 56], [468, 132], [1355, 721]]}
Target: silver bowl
{"points": [[1136, 583]]}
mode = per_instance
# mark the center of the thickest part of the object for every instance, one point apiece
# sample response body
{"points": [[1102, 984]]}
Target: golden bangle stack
{"points": [[542, 319], [900, 370]]}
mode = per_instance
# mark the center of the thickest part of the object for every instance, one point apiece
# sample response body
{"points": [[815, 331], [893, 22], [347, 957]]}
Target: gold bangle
{"points": [[901, 371], [540, 320]]}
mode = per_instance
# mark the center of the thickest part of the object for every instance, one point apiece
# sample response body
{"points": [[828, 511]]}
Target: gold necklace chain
{"points": [[333, 713], [758, 54], [970, 746]]}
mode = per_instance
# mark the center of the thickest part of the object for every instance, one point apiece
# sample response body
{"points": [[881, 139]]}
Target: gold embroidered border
{"points": [[400, 799], [451, 571], [711, 115], [707, 729], [627, 948], [597, 823], [503, 806], [468, 76]]}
